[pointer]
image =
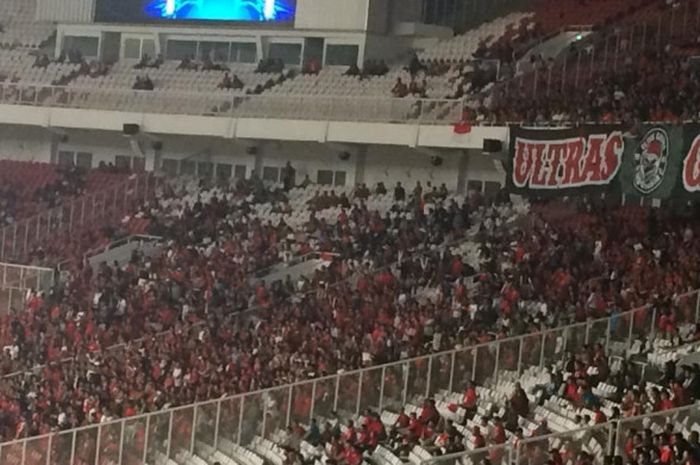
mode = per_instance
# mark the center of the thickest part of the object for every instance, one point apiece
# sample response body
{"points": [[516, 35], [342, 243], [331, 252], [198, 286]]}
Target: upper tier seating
{"points": [[18, 27]]}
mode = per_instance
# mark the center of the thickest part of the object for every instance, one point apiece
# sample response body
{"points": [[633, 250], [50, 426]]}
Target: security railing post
{"points": [[97, 444], [549, 78], [406, 372], [194, 429], [616, 439], [430, 372], [48, 450], [14, 240], [697, 306], [72, 448], [216, 425], [26, 238], [359, 393], [264, 413], [146, 438], [114, 205], [381, 389], [289, 406], [335, 396], [611, 439], [170, 435], [605, 55], [578, 69], [544, 340], [240, 421], [474, 357], [652, 330], [313, 400], [2, 245], [521, 342], [629, 333], [121, 443], [495, 365], [607, 336], [563, 72], [588, 330], [452, 371], [24, 451], [534, 84]]}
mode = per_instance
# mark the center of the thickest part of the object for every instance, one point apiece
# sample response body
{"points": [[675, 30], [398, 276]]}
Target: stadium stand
{"points": [[28, 188], [429, 327], [19, 27]]}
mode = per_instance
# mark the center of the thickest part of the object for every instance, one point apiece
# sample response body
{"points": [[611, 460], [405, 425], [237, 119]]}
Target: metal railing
{"points": [[18, 240], [222, 104], [607, 52], [239, 419], [599, 440], [15, 280]]}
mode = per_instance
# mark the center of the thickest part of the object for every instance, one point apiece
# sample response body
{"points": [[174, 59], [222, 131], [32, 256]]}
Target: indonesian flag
{"points": [[463, 127]]}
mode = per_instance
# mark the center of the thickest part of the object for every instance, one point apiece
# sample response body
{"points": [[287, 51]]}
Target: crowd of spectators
{"points": [[659, 85], [147, 62], [571, 381], [200, 279], [566, 265], [231, 82], [143, 82], [16, 203]]}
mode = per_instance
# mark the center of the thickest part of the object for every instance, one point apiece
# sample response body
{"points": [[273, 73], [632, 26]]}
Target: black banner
{"points": [[650, 161], [544, 161]]}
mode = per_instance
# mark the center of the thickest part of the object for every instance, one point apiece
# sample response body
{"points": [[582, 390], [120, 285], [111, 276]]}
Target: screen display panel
{"points": [[195, 10]]}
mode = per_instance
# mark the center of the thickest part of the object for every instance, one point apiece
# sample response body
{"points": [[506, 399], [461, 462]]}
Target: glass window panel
{"points": [[215, 51], [83, 159], [239, 172], [122, 162], [223, 171], [148, 48], [324, 177], [341, 55], [179, 49], [87, 46], [132, 48], [187, 167], [169, 166], [65, 158], [340, 178], [271, 173], [205, 169], [244, 52], [138, 164], [290, 54]]}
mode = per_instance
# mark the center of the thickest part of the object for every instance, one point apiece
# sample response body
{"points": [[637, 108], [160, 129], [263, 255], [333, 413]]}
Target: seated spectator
{"points": [[143, 62], [143, 83], [226, 82], [75, 56], [353, 70], [399, 90], [313, 66], [188, 63], [42, 61]]}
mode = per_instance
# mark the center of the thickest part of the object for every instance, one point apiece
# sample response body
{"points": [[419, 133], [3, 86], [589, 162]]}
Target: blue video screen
{"points": [[196, 10]]}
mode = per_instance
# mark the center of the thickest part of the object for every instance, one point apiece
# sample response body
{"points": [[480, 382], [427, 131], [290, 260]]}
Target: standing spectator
{"points": [[288, 176]]}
